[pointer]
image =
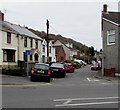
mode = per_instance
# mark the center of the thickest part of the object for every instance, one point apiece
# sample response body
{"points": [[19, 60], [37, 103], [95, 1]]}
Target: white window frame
{"points": [[111, 33]]}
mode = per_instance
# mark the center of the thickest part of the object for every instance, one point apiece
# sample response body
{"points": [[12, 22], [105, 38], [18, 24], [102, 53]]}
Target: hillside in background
{"points": [[76, 45]]}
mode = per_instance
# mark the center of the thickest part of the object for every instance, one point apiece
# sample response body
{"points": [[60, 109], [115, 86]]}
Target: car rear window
{"points": [[58, 65], [41, 66]]}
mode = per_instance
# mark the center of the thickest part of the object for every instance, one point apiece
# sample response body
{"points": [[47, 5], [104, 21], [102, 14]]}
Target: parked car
{"points": [[96, 65], [81, 62], [40, 72], [57, 70], [69, 67]]}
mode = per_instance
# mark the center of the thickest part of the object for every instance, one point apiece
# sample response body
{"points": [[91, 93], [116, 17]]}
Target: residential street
{"points": [[81, 89]]}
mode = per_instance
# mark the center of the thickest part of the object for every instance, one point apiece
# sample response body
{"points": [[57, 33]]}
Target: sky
{"points": [[79, 20]]}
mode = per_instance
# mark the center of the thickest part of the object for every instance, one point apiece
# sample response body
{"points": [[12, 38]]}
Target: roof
{"points": [[112, 16], [6, 28], [22, 30]]}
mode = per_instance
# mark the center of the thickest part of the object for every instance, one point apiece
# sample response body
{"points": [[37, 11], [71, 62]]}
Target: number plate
{"points": [[40, 71], [55, 69]]}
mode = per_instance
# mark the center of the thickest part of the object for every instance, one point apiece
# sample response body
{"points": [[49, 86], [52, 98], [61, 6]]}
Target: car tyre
{"points": [[32, 79]]}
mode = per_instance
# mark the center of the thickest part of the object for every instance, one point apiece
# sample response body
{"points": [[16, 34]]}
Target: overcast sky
{"points": [[80, 21]]}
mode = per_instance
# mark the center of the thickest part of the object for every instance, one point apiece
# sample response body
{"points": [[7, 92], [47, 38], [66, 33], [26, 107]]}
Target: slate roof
{"points": [[22, 30], [6, 28], [112, 16]]}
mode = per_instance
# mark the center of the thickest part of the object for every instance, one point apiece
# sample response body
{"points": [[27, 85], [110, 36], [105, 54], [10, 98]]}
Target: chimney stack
{"points": [[1, 16], [105, 8]]}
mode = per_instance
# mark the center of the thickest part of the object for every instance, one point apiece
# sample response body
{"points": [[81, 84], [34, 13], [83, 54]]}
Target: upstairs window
{"points": [[25, 41], [8, 37], [31, 42], [36, 44], [111, 37], [49, 49], [43, 49]]}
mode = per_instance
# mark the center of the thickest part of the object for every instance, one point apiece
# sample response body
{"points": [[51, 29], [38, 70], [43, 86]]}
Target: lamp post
{"points": [[47, 40]]}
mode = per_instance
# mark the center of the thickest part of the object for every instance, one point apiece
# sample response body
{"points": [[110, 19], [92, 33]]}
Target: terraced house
{"points": [[111, 42], [15, 41]]}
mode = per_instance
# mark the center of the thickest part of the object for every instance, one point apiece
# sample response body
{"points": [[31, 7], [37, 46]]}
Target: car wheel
{"points": [[48, 80], [73, 71], [63, 75], [32, 79]]}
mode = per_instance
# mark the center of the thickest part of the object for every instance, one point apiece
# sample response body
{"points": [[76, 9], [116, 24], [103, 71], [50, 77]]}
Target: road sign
{"points": [[27, 52]]}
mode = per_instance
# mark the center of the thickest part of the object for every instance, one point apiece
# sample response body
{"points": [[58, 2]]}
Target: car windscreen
{"points": [[41, 66], [57, 65], [67, 64]]}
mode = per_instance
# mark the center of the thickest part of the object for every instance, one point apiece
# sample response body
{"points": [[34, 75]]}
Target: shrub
{"points": [[14, 72]]}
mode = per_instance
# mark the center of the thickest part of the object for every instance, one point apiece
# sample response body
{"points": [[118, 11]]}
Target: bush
{"points": [[14, 72]]}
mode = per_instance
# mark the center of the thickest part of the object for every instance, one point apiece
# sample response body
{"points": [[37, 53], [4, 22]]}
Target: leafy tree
{"points": [[91, 51]]}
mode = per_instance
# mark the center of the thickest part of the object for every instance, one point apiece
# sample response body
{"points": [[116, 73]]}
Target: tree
{"points": [[91, 51]]}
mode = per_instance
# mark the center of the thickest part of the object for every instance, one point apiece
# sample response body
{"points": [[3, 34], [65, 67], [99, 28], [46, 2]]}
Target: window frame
{"points": [[110, 35], [36, 44], [25, 41], [8, 37], [8, 55], [31, 42], [43, 48]]}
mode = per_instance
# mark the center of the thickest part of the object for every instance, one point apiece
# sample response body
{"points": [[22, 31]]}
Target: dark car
{"points": [[57, 70], [40, 72], [69, 67]]}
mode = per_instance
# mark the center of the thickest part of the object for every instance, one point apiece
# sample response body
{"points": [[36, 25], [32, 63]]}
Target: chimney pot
{"points": [[1, 16], [105, 8]]}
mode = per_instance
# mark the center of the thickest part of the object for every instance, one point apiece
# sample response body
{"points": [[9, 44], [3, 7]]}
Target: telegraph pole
{"points": [[47, 40]]}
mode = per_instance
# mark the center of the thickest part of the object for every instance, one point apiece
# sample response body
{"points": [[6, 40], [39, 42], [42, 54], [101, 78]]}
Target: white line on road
{"points": [[86, 98], [68, 102], [96, 103], [92, 79], [24, 85]]}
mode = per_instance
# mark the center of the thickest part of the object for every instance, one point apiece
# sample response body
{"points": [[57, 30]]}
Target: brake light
{"points": [[32, 70], [49, 72]]}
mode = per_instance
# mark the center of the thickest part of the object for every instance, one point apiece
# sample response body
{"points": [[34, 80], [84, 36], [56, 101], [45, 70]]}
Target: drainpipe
{"points": [[17, 46]]}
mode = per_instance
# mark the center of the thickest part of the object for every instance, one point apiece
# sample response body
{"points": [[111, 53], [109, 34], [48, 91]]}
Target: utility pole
{"points": [[47, 40]]}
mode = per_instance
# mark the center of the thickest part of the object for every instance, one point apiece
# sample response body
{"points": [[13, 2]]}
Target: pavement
{"points": [[108, 78], [17, 80]]}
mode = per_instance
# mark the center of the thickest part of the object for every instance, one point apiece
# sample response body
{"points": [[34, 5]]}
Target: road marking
{"points": [[68, 102], [87, 98], [24, 85], [92, 79], [96, 103]]}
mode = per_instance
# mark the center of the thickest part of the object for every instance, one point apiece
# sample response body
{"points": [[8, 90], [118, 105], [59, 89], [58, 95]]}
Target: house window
{"points": [[43, 49], [25, 57], [36, 44], [111, 37], [4, 55], [43, 59], [49, 49], [8, 55], [25, 41], [8, 37], [31, 42], [31, 57]]}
